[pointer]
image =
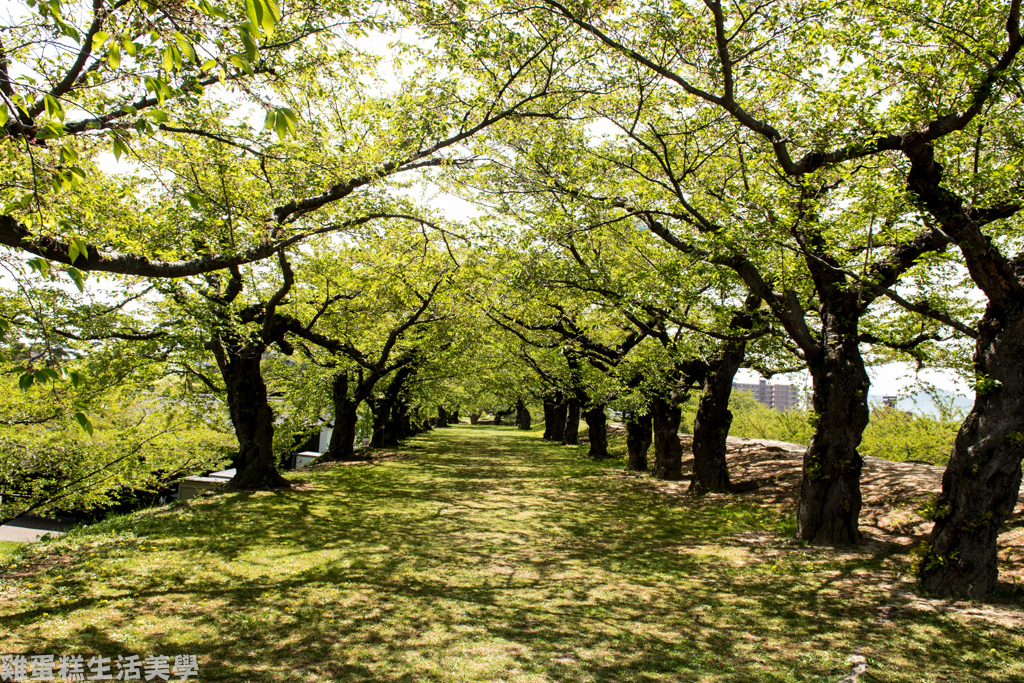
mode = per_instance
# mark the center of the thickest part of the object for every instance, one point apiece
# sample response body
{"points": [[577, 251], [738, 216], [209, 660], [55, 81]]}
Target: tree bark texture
{"points": [[522, 416], [343, 437], [597, 428], [442, 417], [830, 497], [474, 418], [982, 481], [668, 452], [571, 432], [711, 425], [252, 418], [559, 408], [638, 440]]}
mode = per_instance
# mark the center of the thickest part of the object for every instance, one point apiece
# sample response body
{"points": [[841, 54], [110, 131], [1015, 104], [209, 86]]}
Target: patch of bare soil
{"points": [[893, 493]]}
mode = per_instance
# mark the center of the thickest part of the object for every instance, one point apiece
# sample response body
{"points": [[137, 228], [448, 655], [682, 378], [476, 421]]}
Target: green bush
{"points": [[891, 434], [897, 435]]}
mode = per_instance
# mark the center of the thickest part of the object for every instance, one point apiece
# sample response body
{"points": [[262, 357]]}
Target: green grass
{"points": [[8, 549], [487, 555]]}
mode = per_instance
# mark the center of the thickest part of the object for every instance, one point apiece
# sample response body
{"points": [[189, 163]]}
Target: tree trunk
{"points": [[474, 418], [559, 407], [571, 432], [522, 416], [711, 425], [638, 441], [830, 497], [597, 427], [453, 418], [668, 452], [982, 481], [549, 407], [442, 417], [381, 411], [253, 420], [343, 437], [402, 420]]}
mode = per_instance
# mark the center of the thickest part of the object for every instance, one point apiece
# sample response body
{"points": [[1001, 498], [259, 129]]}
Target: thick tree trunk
{"points": [[474, 418], [558, 410], [453, 418], [442, 417], [343, 437], [381, 410], [571, 432], [597, 428], [982, 481], [253, 420], [711, 425], [522, 416], [402, 420], [638, 441], [830, 498], [549, 408], [668, 452]]}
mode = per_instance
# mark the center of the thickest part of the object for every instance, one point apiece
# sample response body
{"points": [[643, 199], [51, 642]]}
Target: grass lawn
{"points": [[486, 554], [8, 549]]}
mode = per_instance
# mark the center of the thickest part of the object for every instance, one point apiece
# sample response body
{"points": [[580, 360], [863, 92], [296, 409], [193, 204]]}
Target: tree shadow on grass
{"points": [[491, 555]]}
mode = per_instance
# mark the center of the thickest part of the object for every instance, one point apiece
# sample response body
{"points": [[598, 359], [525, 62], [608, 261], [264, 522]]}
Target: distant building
{"points": [[777, 396], [889, 401]]}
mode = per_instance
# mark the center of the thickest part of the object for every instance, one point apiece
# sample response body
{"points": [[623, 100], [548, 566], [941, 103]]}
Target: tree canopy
{"points": [[225, 225]]}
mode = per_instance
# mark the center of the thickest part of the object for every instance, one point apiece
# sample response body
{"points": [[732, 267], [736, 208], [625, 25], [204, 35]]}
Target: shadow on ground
{"points": [[489, 555]]}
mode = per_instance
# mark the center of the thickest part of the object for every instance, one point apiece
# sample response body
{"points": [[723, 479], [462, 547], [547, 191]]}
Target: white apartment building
{"points": [[777, 396]]}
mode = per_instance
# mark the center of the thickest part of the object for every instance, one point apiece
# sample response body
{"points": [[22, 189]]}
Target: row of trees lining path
{"points": [[715, 229]]}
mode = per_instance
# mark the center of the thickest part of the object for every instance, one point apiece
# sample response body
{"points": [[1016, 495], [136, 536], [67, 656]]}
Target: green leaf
{"points": [[25, 381], [270, 15], [254, 10], [68, 153], [249, 42], [82, 249], [51, 131], [291, 121], [168, 61], [53, 108], [209, 64], [76, 378], [185, 46], [119, 147], [84, 422], [129, 46], [3, 115], [98, 39], [194, 199], [114, 54], [40, 265], [77, 277], [45, 375]]}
